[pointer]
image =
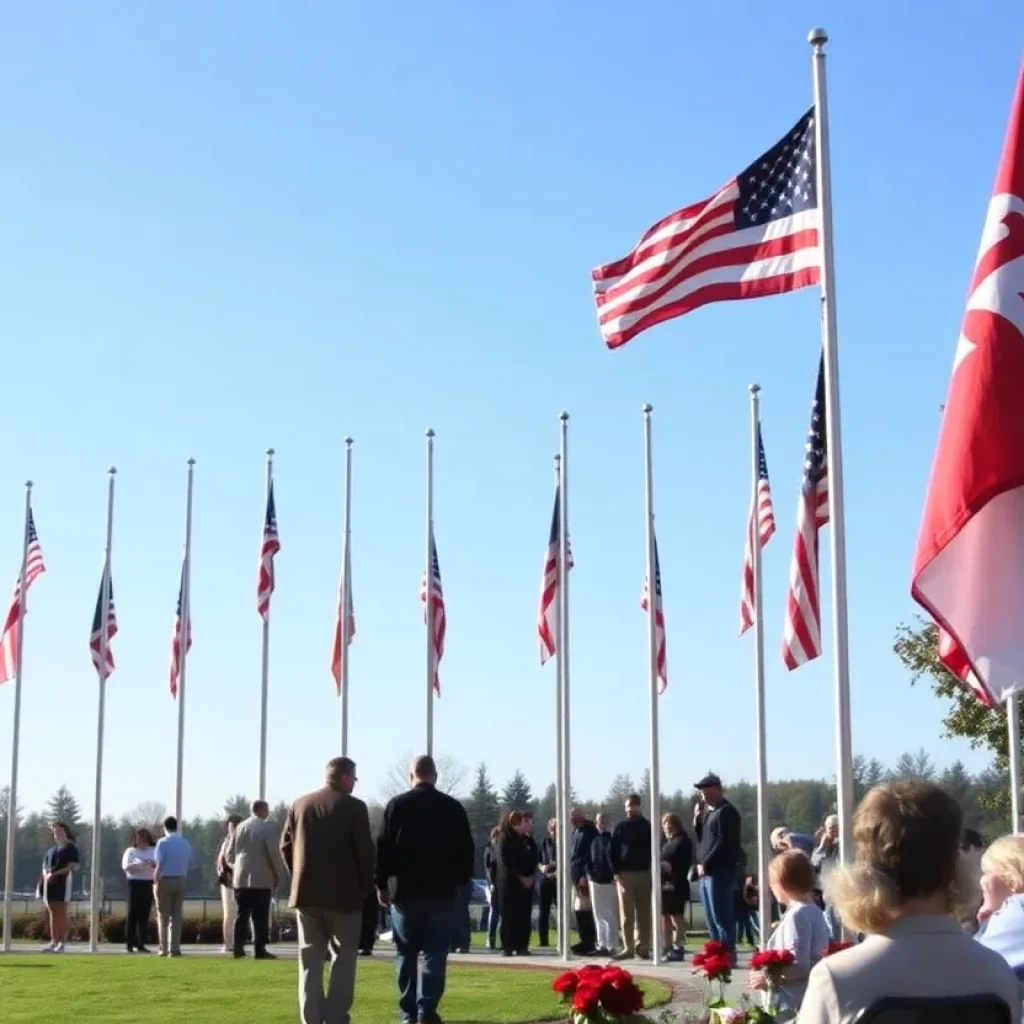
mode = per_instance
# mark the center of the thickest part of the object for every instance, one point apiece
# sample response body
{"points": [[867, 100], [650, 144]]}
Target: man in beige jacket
{"points": [[256, 871]]}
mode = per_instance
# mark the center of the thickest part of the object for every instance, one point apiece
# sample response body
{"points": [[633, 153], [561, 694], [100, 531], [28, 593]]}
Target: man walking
{"points": [[173, 858], [631, 862], [256, 871], [603, 897], [424, 854], [717, 825], [328, 848]]}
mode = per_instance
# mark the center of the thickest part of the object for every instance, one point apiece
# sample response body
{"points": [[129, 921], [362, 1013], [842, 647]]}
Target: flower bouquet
{"points": [[770, 965], [714, 962], [599, 995]]}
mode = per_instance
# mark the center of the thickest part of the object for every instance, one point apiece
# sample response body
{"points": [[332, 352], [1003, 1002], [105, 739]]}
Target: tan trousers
{"points": [[170, 901], [674, 930], [635, 911], [316, 928]]}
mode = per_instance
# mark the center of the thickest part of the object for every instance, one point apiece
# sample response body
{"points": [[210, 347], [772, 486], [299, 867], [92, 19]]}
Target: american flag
{"points": [[761, 510], [344, 597], [659, 620], [547, 617], [34, 568], [96, 639], [802, 638], [269, 547], [757, 235], [440, 620], [176, 636]]}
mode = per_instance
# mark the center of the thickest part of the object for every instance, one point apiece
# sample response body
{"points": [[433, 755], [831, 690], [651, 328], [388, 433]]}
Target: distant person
{"points": [[139, 866], [826, 859], [327, 847], [516, 871], [676, 862], [547, 896], [59, 863], [604, 897], [493, 900], [717, 825], [256, 871], [424, 853], [173, 859], [227, 890], [584, 832], [783, 839], [632, 841]]}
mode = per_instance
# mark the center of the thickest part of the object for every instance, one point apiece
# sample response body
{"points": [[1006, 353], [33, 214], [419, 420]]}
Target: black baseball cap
{"points": [[709, 780]]}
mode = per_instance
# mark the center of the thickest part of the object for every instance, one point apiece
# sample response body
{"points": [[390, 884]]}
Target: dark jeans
{"points": [[140, 905], [548, 898], [516, 910], [368, 927], [586, 925], [424, 926], [718, 895], [252, 905]]}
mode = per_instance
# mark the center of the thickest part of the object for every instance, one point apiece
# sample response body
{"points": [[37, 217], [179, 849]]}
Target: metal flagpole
{"points": [[186, 622], [652, 693], [561, 811], [12, 795], [1013, 724], [345, 597], [564, 836], [763, 854], [428, 589], [818, 37], [95, 875], [265, 664]]}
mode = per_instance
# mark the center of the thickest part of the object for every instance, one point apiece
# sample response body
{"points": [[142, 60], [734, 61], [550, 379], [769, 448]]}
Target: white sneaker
{"points": [[49, 947], [59, 948]]}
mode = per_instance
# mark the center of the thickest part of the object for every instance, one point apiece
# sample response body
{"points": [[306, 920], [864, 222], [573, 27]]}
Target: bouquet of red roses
{"points": [[837, 947], [599, 995], [772, 964], [714, 961]]}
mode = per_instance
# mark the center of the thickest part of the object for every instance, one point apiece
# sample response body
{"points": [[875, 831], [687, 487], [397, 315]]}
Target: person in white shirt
{"points": [[139, 864], [227, 891]]}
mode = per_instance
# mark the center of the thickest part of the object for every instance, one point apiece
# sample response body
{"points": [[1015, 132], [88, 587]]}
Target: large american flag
{"points": [[344, 599], [176, 636], [757, 235], [34, 567], [103, 668], [761, 513], [548, 615], [440, 620], [659, 620], [269, 547], [802, 637]]}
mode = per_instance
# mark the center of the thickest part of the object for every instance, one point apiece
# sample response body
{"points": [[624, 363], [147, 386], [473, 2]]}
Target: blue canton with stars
{"points": [[762, 462], [814, 463], [781, 182]]}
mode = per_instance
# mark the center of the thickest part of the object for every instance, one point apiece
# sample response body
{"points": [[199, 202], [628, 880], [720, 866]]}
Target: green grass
{"points": [[37, 989]]}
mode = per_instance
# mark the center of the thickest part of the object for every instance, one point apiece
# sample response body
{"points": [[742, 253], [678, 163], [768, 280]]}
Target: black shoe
{"points": [[143, 949], [263, 954], [366, 952], [239, 954], [507, 952], [543, 944], [431, 1018], [523, 952]]}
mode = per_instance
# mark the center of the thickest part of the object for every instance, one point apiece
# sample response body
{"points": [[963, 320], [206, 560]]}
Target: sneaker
{"points": [[675, 956], [49, 947], [59, 948], [623, 954]]}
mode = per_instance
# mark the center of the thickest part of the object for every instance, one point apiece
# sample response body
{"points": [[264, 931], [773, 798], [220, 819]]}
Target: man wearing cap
{"points": [[717, 825]]}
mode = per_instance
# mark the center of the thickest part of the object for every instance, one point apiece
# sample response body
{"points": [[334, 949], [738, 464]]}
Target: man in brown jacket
{"points": [[328, 849]]}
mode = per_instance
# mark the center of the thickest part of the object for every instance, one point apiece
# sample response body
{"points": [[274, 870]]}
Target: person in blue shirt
{"points": [[59, 862], [173, 858], [1001, 915], [784, 839]]}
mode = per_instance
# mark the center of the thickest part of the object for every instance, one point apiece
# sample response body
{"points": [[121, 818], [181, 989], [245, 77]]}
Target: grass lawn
{"points": [[37, 989]]}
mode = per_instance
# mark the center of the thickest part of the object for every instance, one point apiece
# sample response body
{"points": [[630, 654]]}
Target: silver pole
{"points": [[95, 896], [12, 805], [652, 694], [565, 834], [428, 584], [764, 897], [837, 531], [186, 588], [561, 811], [345, 597], [265, 664], [1013, 725]]}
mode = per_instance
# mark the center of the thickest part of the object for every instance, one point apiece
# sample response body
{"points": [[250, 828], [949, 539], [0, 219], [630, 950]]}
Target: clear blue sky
{"points": [[246, 224]]}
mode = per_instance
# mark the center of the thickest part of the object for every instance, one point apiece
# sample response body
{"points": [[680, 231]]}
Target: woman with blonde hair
{"points": [[902, 892], [1001, 916]]}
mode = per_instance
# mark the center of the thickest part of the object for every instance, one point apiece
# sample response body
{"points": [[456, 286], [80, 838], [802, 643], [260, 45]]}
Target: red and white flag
{"points": [[969, 565], [437, 600], [270, 545], [34, 567], [548, 615], [757, 235], [175, 673], [659, 620], [761, 525], [344, 601]]}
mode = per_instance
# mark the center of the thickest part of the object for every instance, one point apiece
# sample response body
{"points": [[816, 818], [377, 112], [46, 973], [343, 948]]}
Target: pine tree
{"points": [[621, 787], [517, 795], [482, 809], [237, 804], [64, 807]]}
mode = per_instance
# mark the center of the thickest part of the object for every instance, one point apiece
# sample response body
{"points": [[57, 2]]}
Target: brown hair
{"points": [[674, 822], [510, 820], [141, 833], [792, 871]]}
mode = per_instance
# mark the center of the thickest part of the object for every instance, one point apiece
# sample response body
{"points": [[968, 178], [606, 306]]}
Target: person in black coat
{"points": [[676, 862], [584, 832], [516, 868], [493, 898], [548, 896], [717, 824]]}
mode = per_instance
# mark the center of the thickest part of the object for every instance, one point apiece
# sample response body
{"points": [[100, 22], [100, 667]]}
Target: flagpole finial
{"points": [[112, 471], [28, 485], [191, 462], [270, 453], [754, 388], [564, 417], [648, 408], [430, 433], [348, 442], [817, 37]]}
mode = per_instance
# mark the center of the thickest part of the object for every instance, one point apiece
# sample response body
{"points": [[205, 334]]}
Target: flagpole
{"points": [[763, 854], [561, 812], [818, 37], [186, 625], [344, 598], [428, 590], [652, 693], [564, 834], [265, 665], [12, 801], [1013, 725], [95, 875]]}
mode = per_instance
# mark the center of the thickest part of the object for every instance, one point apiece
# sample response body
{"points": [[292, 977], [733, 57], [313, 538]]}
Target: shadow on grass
{"points": [[21, 967]]}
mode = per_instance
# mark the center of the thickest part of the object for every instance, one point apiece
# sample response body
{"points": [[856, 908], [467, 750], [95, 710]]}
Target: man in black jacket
{"points": [[604, 898], [583, 834], [717, 825], [631, 862], [424, 855], [548, 881]]}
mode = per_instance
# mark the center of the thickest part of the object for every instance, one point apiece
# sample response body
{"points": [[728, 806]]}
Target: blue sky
{"points": [[239, 225]]}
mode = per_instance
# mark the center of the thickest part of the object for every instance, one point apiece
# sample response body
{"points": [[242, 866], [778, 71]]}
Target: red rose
{"points": [[587, 998], [715, 948], [622, 998], [837, 947], [566, 983], [715, 966], [591, 972]]}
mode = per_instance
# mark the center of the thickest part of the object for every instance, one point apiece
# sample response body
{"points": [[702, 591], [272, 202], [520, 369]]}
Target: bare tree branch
{"points": [[451, 774]]}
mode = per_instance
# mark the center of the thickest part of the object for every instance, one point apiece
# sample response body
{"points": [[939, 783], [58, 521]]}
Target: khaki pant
{"points": [[635, 911], [316, 929], [170, 900], [674, 930]]}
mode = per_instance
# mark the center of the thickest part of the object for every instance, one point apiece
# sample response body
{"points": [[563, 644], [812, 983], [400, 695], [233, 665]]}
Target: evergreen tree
{"points": [[547, 805], [237, 804], [64, 807], [621, 787], [517, 795], [482, 809]]}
